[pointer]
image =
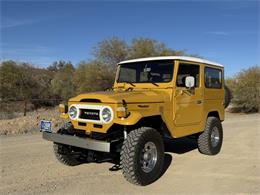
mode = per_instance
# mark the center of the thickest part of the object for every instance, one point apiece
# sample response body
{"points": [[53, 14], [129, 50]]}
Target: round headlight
{"points": [[73, 112], [106, 114]]}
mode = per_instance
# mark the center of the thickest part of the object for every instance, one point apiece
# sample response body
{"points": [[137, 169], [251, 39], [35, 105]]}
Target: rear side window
{"points": [[188, 70], [213, 78]]}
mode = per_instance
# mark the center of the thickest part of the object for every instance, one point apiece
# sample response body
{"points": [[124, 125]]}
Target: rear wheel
{"points": [[210, 141], [142, 156]]}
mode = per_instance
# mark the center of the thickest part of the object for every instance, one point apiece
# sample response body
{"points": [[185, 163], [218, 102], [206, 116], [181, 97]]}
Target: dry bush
{"points": [[245, 87]]}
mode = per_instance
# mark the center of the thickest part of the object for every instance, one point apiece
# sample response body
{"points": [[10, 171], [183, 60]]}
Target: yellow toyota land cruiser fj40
{"points": [[152, 98]]}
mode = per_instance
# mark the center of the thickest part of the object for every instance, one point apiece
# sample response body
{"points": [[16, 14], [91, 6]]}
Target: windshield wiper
{"points": [[129, 83], [155, 84]]}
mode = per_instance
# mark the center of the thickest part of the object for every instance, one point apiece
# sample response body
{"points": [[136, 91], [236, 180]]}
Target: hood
{"points": [[145, 96]]}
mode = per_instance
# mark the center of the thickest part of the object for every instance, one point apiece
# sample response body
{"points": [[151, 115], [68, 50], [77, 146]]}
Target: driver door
{"points": [[188, 104]]}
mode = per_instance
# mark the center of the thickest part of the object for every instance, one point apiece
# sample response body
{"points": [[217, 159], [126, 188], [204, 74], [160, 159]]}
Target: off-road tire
{"points": [[131, 153], [63, 153], [204, 141]]}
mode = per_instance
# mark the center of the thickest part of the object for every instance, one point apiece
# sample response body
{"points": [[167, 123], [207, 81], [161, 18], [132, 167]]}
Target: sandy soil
{"points": [[28, 166]]}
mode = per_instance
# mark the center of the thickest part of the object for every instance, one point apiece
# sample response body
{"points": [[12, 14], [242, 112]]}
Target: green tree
{"points": [[8, 79], [93, 76], [42, 88], [57, 65], [62, 84], [245, 88], [145, 47], [26, 84], [111, 51], [16, 80]]}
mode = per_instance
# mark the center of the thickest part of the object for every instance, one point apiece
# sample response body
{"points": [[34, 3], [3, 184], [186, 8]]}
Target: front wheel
{"points": [[64, 154], [142, 156]]}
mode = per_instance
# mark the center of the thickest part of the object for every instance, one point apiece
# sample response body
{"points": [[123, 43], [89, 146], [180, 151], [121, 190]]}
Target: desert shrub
{"points": [[245, 87]]}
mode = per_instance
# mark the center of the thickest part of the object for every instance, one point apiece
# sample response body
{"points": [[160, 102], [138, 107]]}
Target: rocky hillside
{"points": [[30, 123]]}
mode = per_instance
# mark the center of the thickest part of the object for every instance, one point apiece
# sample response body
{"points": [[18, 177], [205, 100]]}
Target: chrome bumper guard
{"points": [[86, 143]]}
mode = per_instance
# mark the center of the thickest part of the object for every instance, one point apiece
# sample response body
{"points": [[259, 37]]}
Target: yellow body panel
{"points": [[184, 112]]}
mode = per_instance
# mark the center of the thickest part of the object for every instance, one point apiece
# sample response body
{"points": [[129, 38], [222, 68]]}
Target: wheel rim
{"points": [[214, 137], [148, 157]]}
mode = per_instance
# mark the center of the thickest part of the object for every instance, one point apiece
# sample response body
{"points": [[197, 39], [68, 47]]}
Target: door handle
{"points": [[143, 106], [199, 101]]}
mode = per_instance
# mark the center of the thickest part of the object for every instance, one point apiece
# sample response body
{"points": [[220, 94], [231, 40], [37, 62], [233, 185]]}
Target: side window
{"points": [[188, 70], [213, 78]]}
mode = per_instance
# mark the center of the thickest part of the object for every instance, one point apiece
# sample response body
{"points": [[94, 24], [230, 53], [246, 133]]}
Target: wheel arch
{"points": [[156, 122], [214, 113]]}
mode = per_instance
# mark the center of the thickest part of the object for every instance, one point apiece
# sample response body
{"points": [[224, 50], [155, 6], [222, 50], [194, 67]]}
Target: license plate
{"points": [[46, 126]]}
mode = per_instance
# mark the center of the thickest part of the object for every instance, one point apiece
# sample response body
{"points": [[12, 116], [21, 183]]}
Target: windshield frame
{"points": [[172, 62]]}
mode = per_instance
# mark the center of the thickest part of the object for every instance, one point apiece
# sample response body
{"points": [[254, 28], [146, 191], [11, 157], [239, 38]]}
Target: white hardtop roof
{"points": [[184, 58]]}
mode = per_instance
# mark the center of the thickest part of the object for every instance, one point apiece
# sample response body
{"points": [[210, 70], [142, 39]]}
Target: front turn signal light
{"points": [[63, 109], [122, 112]]}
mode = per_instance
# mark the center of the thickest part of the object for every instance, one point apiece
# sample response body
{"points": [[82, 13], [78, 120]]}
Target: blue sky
{"points": [[44, 31]]}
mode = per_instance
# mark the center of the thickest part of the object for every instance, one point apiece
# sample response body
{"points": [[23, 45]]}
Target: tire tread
{"points": [[204, 144], [66, 159], [128, 154]]}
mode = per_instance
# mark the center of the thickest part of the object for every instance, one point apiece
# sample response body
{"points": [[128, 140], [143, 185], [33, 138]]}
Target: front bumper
{"points": [[87, 143]]}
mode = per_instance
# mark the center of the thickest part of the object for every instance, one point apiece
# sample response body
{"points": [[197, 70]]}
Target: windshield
{"points": [[159, 71]]}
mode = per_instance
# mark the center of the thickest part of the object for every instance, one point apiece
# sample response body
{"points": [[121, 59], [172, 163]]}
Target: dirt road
{"points": [[28, 166]]}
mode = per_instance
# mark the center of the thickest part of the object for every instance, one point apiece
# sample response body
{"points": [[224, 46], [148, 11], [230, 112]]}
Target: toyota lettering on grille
{"points": [[89, 114]]}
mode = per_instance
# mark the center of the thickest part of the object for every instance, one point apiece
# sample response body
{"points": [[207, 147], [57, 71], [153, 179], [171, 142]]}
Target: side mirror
{"points": [[189, 82]]}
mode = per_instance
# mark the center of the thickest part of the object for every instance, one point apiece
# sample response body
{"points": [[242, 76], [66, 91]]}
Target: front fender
{"points": [[132, 119]]}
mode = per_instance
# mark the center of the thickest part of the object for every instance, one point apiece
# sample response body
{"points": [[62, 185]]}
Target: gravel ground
{"points": [[28, 166]]}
